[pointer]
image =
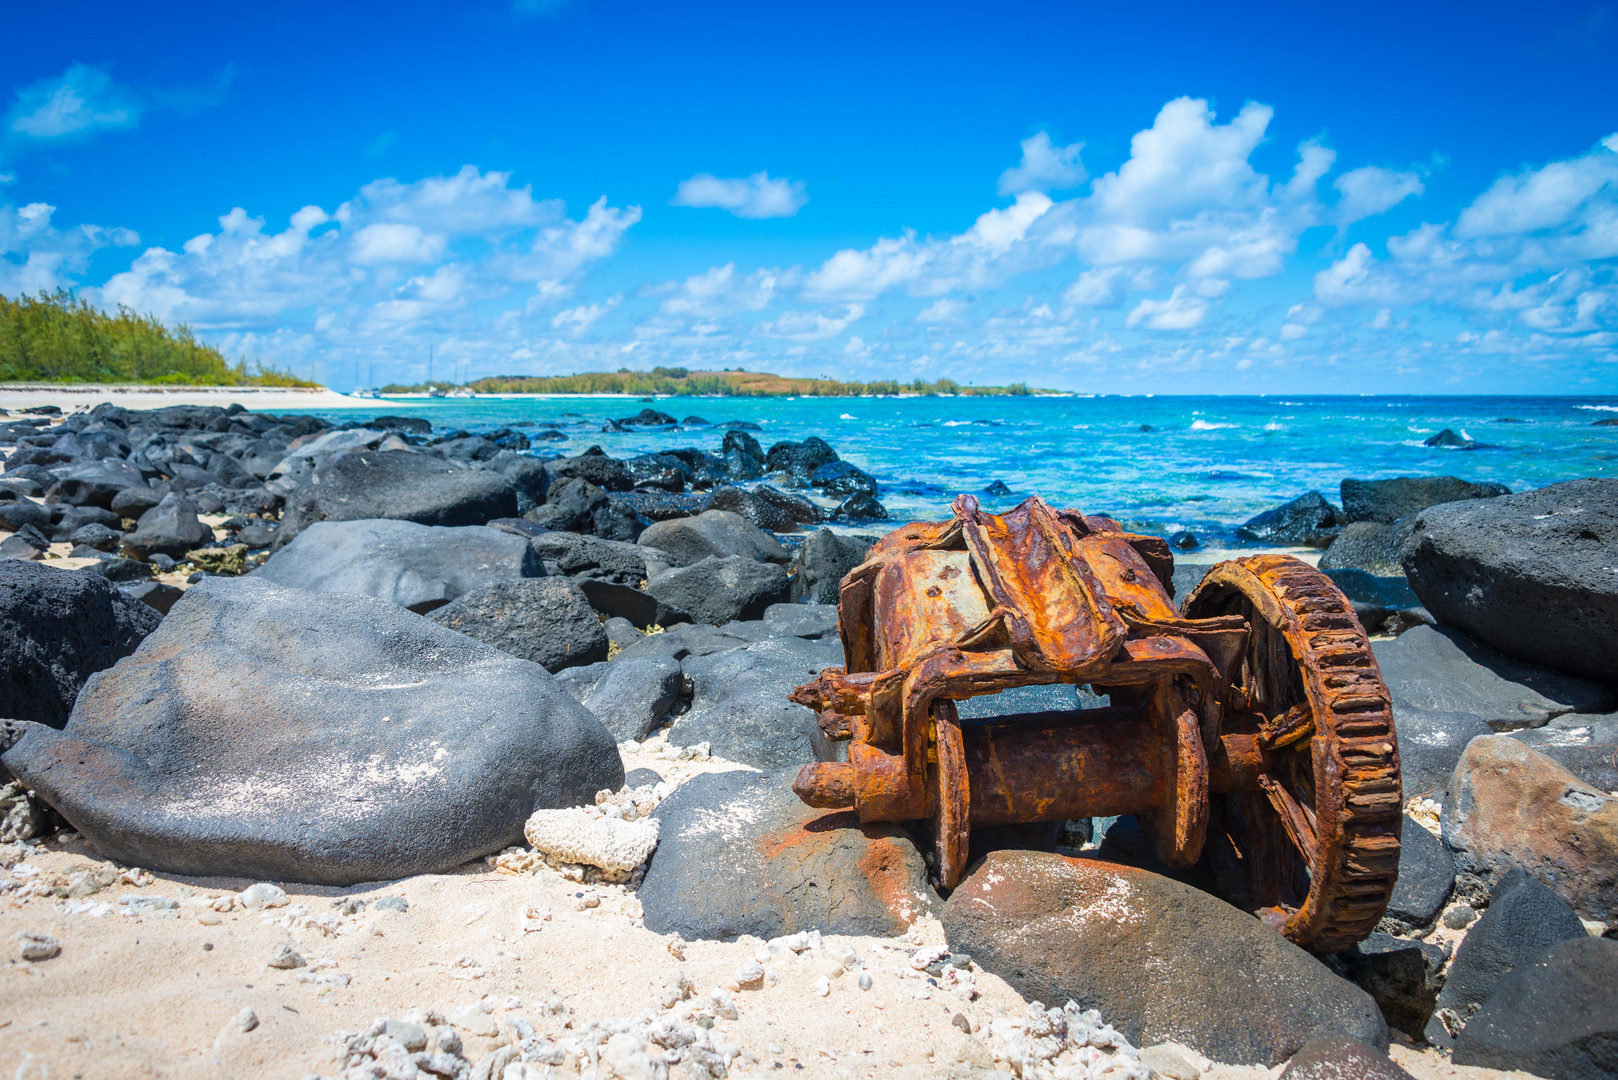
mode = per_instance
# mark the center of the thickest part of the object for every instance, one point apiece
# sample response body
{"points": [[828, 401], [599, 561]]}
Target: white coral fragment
{"points": [[578, 836]]}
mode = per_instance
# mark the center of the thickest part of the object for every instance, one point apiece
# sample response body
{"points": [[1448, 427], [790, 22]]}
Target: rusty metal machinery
{"points": [[1253, 730]]}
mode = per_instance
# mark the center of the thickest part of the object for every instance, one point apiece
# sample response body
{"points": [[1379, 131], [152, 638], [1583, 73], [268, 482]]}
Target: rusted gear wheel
{"points": [[1307, 836]]}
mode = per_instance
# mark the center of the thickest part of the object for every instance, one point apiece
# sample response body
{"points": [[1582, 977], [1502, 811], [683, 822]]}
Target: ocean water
{"points": [[1158, 464]]}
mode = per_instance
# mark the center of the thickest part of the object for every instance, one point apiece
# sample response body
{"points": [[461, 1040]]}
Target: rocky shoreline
{"points": [[310, 708]]}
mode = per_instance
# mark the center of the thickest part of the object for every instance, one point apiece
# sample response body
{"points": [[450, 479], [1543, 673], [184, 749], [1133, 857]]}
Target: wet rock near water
{"points": [[741, 854], [1292, 522], [1524, 573], [1154, 956], [420, 567], [243, 740], [546, 620]]}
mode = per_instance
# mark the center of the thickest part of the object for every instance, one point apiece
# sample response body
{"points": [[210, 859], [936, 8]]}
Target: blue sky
{"points": [[1169, 198]]}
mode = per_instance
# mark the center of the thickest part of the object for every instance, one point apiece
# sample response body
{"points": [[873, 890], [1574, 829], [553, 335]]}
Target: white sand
{"points": [[147, 996], [263, 399]]}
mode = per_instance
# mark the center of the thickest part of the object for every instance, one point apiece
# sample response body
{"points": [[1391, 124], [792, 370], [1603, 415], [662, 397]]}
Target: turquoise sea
{"points": [[1158, 464]]}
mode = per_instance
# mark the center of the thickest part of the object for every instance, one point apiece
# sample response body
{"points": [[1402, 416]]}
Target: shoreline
{"points": [[133, 396]]}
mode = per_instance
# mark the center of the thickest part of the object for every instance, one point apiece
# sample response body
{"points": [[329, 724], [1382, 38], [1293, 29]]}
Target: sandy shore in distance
{"points": [[261, 399]]}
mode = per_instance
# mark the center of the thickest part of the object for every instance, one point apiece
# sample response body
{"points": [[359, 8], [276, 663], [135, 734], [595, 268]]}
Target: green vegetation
{"points": [[58, 338], [683, 383]]}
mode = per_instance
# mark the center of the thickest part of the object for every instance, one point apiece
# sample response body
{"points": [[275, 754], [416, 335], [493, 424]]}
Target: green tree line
{"points": [[58, 338]]}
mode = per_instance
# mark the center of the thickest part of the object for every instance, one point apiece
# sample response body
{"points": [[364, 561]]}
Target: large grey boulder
{"points": [[741, 854], [717, 590], [1402, 975], [631, 696], [739, 703], [717, 533], [546, 620], [420, 567], [820, 563], [1556, 1016], [683, 640], [400, 485], [1441, 669], [282, 734], [1387, 501], [1523, 919], [1160, 960], [57, 628], [1529, 574]]}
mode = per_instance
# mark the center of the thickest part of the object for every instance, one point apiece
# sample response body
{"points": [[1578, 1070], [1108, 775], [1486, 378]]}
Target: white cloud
{"points": [[37, 257], [1371, 190], [577, 320], [395, 255], [812, 325], [757, 196], [1526, 250], [77, 102], [942, 310], [719, 292], [1044, 167], [1180, 311]]}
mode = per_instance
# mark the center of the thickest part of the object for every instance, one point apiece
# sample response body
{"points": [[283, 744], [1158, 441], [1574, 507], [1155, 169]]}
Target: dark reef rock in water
{"points": [[997, 488], [1450, 440], [277, 734], [1291, 522]]}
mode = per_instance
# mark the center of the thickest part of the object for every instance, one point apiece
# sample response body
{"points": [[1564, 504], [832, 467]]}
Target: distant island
{"points": [[57, 338], [678, 381]]}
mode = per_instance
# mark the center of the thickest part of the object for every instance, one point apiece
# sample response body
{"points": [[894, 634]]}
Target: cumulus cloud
{"points": [[757, 196], [720, 291], [812, 325], [36, 257], [1180, 311], [1371, 190], [942, 310], [576, 320], [1044, 167], [1528, 249], [79, 101], [394, 255]]}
